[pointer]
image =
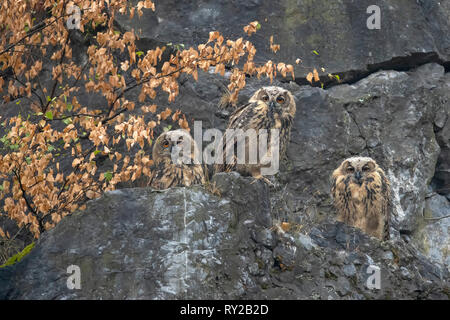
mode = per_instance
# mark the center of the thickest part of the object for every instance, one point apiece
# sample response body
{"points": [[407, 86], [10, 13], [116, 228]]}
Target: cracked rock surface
{"points": [[186, 243], [393, 105], [411, 33]]}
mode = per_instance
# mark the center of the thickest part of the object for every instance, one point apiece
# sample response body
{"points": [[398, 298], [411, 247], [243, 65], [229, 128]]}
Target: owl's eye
{"points": [[351, 169], [265, 98], [365, 168], [165, 144], [280, 99]]}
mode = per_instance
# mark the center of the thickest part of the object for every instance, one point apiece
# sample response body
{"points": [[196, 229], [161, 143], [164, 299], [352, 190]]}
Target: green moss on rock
{"points": [[18, 256]]}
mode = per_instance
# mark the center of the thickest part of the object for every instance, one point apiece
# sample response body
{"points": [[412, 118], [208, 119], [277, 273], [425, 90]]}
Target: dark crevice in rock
{"points": [[406, 63], [446, 66], [360, 133], [440, 183]]}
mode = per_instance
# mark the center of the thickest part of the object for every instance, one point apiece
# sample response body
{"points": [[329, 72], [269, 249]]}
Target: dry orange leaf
{"points": [[76, 162], [274, 47], [285, 226], [252, 27], [176, 115], [152, 124], [166, 113], [316, 75], [183, 124]]}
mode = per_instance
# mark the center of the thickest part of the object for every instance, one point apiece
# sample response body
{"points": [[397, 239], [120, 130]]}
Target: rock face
{"points": [[390, 116], [186, 243], [393, 106], [401, 119], [432, 236], [410, 33], [387, 116]]}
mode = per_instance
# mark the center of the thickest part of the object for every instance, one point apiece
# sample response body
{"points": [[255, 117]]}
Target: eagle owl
{"points": [[166, 173], [269, 108], [362, 196]]}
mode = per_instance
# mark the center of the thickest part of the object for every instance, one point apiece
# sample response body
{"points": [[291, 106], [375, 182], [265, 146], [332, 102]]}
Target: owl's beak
{"points": [[358, 176], [272, 105]]}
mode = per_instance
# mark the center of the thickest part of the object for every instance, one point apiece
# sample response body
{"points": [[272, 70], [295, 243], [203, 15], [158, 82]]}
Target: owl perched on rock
{"points": [[362, 196], [268, 108], [166, 173]]}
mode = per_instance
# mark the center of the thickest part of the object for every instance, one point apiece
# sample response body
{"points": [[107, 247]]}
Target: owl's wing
{"points": [[257, 115], [196, 175], [333, 185], [162, 176], [239, 119], [333, 181]]}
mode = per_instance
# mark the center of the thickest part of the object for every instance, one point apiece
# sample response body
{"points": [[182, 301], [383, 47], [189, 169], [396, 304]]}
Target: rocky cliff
{"points": [[186, 243], [393, 104], [189, 243], [411, 32]]}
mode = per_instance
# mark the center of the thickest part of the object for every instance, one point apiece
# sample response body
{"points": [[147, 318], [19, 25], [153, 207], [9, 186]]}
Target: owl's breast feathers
{"points": [[365, 205], [348, 190], [166, 175], [257, 115]]}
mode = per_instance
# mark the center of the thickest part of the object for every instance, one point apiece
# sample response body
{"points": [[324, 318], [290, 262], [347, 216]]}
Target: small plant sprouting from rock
{"points": [[19, 256]]}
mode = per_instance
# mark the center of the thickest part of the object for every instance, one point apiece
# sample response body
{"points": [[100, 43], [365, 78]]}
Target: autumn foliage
{"points": [[50, 153]]}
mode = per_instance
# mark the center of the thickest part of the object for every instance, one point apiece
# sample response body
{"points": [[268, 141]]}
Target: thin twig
{"points": [[437, 218]]}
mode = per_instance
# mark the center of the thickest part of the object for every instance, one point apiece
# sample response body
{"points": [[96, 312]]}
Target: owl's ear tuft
{"points": [[345, 164]]}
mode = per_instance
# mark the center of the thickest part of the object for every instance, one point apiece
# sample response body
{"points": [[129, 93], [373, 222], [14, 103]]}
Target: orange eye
{"points": [[366, 168], [280, 99], [350, 169], [265, 98], [166, 144]]}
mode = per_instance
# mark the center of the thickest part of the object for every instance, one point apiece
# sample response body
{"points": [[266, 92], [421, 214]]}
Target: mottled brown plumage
{"points": [[166, 173], [268, 108], [362, 196]]}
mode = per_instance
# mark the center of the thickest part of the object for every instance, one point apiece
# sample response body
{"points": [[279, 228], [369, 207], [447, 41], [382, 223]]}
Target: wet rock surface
{"points": [[132, 243], [410, 34], [189, 244]]}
